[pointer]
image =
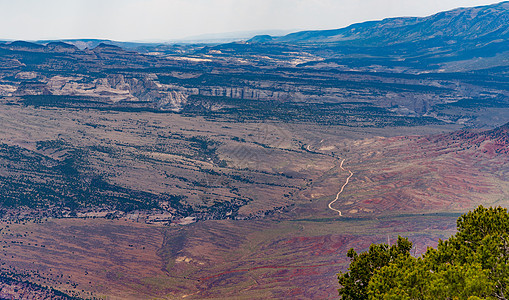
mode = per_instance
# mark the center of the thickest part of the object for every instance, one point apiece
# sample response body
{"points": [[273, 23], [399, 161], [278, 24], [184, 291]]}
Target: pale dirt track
{"points": [[342, 187]]}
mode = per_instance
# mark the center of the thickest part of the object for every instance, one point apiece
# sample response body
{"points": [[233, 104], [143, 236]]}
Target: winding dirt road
{"points": [[342, 187]]}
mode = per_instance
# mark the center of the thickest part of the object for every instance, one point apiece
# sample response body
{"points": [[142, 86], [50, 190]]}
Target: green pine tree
{"points": [[472, 264]]}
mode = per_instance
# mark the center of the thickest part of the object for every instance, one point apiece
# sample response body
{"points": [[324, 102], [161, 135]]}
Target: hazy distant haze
{"points": [[172, 19]]}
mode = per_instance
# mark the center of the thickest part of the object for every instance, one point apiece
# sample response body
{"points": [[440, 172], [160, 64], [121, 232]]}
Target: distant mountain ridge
{"points": [[458, 40], [58, 47], [483, 22], [92, 43]]}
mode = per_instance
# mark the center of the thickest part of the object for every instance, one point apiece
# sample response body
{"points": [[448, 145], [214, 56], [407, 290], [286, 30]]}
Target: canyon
{"points": [[248, 169]]}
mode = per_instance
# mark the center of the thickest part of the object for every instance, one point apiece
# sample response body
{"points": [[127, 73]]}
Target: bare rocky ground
{"points": [[283, 242]]}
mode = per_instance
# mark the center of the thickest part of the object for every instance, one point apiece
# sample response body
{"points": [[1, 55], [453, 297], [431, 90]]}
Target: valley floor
{"points": [[276, 236]]}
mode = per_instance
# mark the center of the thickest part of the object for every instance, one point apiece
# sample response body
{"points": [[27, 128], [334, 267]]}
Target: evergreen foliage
{"points": [[472, 264]]}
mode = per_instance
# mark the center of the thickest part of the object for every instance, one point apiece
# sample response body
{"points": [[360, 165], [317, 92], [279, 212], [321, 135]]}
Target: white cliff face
{"points": [[26, 75], [113, 88], [249, 93], [119, 88], [76, 86], [7, 90], [172, 100]]}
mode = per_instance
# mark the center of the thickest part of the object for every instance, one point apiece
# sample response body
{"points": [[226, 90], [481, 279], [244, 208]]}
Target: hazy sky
{"points": [[171, 19]]}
